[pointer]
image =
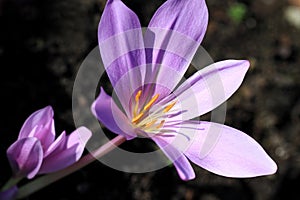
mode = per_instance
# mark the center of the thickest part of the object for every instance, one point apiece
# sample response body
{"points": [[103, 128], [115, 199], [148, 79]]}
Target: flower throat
{"points": [[146, 120]]}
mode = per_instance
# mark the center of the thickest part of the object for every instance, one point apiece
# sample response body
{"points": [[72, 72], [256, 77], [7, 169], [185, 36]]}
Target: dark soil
{"points": [[42, 44]]}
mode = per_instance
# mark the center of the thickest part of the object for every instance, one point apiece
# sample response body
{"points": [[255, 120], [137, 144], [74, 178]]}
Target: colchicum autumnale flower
{"points": [[145, 70], [36, 152]]}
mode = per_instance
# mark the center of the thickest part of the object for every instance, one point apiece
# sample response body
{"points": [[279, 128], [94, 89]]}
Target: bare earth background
{"points": [[42, 44]]}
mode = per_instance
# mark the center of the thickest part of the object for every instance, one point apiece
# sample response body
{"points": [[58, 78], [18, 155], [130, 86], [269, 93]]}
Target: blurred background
{"points": [[42, 44]]}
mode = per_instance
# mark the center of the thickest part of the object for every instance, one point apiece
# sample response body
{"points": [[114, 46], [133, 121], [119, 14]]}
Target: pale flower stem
{"points": [[46, 180]]}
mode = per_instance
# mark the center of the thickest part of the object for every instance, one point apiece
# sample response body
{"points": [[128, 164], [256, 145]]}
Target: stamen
{"points": [[137, 118], [169, 107], [150, 123], [151, 102], [138, 96], [137, 99], [160, 124]]}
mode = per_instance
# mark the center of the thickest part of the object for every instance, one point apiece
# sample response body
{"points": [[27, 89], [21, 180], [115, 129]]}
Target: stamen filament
{"points": [[156, 114], [150, 123], [169, 107], [151, 102]]}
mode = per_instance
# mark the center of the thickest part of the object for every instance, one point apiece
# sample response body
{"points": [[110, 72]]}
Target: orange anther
{"points": [[137, 118], [151, 102], [138, 95], [160, 124], [169, 107]]}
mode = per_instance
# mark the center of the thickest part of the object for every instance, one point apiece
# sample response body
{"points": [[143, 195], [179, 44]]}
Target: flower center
{"points": [[147, 119]]}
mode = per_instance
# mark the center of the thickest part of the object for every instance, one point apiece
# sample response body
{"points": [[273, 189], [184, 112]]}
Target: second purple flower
{"points": [[37, 152]]}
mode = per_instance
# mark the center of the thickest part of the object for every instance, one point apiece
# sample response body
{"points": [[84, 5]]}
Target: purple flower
{"points": [[144, 71], [36, 152], [9, 194]]}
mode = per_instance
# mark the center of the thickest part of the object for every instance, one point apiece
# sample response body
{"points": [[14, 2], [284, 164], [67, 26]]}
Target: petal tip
{"points": [[94, 104], [84, 133], [188, 178], [48, 110], [246, 63], [273, 168]]}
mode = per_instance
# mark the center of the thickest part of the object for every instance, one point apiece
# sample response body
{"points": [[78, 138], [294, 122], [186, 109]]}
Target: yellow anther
{"points": [[150, 123], [169, 107], [138, 96], [137, 118], [151, 102], [137, 99], [160, 124]]}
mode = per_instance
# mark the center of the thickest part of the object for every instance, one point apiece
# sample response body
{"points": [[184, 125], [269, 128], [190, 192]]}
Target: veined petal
{"points": [[188, 17], [25, 157], [171, 40], [228, 152], [116, 18], [66, 150], [182, 165], [122, 49], [9, 194], [209, 87], [40, 124], [108, 113]]}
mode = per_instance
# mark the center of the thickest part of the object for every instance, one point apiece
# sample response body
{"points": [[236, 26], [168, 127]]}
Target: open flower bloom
{"points": [[145, 70], [36, 152]]}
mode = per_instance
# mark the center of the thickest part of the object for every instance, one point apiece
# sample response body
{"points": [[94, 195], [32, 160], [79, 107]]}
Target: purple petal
{"points": [[40, 124], [173, 36], [25, 157], [122, 49], [209, 87], [9, 194], [59, 160], [79, 138], [116, 18], [66, 151], [108, 113], [57, 146], [180, 162], [187, 17], [228, 152]]}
